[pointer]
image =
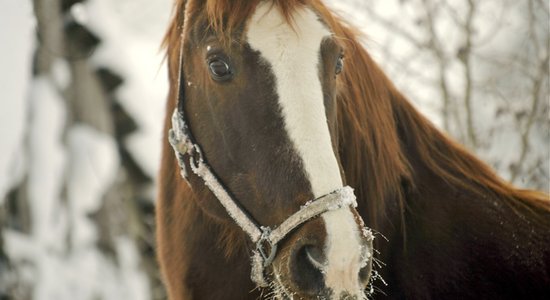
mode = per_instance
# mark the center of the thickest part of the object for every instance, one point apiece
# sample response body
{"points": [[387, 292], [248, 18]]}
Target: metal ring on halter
{"points": [[262, 242]]}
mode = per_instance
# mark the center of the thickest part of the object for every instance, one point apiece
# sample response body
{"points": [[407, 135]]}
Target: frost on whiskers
{"points": [[376, 266]]}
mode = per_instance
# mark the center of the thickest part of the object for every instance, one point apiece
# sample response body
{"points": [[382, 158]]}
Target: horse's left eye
{"points": [[219, 69], [339, 65]]}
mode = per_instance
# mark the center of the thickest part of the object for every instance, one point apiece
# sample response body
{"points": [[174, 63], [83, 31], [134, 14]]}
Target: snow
{"points": [[60, 257], [92, 168], [131, 275], [15, 61], [79, 13], [82, 275], [131, 33], [70, 169], [61, 73], [46, 160]]}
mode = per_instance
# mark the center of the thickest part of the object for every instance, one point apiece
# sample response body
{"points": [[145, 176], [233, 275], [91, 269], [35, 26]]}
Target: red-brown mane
{"points": [[371, 109]]}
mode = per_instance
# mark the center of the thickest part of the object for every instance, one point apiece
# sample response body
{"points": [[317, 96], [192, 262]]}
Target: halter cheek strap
{"points": [[265, 238]]}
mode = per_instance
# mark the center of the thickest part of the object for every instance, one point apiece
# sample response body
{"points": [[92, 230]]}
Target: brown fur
{"points": [[386, 146]]}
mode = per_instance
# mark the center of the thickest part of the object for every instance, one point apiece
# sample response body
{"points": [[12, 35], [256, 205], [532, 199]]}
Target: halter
{"points": [[265, 238]]}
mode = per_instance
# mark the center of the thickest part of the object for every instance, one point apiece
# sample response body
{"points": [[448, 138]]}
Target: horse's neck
{"points": [[455, 231], [216, 257]]}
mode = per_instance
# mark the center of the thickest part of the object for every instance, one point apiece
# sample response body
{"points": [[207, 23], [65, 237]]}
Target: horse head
{"points": [[257, 85]]}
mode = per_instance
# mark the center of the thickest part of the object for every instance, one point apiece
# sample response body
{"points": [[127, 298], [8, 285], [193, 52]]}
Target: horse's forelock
{"points": [[224, 16]]}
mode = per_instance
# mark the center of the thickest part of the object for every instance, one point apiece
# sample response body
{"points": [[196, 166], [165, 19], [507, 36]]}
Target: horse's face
{"points": [[263, 109]]}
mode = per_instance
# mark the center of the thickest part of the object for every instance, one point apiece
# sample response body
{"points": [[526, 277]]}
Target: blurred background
{"points": [[83, 87]]}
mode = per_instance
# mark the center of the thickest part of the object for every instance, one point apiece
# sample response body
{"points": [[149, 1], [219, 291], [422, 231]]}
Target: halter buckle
{"points": [[265, 247]]}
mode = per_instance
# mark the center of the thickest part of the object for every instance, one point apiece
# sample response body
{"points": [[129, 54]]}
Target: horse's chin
{"points": [[281, 289], [282, 293]]}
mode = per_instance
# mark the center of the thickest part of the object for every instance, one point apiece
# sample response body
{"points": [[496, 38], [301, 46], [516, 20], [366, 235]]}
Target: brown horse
{"points": [[259, 86]]}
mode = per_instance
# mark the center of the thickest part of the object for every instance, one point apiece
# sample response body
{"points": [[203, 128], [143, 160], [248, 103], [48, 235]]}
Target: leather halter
{"points": [[265, 238]]}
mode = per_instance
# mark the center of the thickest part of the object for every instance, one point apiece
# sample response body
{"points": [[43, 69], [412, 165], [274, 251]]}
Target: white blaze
{"points": [[293, 54]]}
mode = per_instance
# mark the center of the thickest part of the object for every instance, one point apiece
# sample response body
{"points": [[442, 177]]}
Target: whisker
{"points": [[380, 264], [376, 232]]}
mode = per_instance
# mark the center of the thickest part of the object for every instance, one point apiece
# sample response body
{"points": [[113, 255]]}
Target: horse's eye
{"points": [[219, 69], [340, 65]]}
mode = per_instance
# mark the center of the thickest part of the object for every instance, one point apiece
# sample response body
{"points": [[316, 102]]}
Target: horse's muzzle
{"points": [[307, 267]]}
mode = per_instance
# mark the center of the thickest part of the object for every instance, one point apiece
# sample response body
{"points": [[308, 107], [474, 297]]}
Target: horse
{"points": [[287, 144]]}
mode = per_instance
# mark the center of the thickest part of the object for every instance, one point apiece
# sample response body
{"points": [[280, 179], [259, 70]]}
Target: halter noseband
{"points": [[265, 238]]}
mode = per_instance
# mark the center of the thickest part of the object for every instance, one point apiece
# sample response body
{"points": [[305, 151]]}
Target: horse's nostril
{"points": [[306, 269], [316, 257]]}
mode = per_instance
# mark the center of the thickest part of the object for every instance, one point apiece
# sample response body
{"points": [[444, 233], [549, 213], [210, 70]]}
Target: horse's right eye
{"points": [[219, 69]]}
